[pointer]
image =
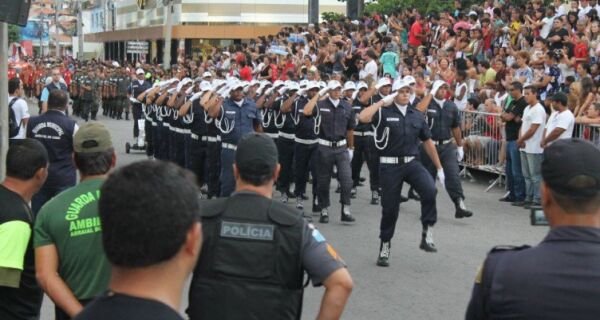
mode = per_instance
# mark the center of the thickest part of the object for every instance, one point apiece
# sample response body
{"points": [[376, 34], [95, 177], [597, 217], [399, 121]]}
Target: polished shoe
{"points": [[461, 210], [427, 243], [506, 199], [346, 215], [353, 193], [315, 205], [383, 260], [520, 203], [324, 216], [375, 197], [299, 204]]}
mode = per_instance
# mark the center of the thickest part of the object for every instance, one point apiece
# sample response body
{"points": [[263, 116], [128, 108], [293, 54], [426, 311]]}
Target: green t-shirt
{"points": [[70, 221]]}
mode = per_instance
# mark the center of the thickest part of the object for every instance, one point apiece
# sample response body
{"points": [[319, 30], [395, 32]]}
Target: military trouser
{"points": [[365, 150], [195, 157], [392, 179], [86, 108], [285, 147], [327, 158], [77, 106], [122, 103], [305, 160], [447, 153], [137, 112], [213, 163]]}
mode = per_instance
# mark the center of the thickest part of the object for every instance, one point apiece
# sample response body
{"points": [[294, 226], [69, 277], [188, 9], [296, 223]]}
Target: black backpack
{"points": [[13, 126]]}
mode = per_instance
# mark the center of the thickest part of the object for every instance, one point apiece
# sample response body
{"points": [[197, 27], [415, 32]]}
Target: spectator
{"points": [[530, 138], [389, 61], [152, 245], [19, 105], [70, 263], [55, 130], [416, 35], [512, 115], [26, 171], [560, 123]]}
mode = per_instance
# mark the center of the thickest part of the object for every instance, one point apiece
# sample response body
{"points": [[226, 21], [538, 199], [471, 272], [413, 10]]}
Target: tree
{"points": [[14, 33], [332, 16], [389, 6]]}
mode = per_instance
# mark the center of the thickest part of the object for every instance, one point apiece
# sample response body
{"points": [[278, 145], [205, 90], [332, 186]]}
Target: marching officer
{"points": [[335, 122], [398, 129], [74, 92], [136, 88], [284, 121], [443, 120], [177, 129], [122, 85], [87, 85], [235, 117]]}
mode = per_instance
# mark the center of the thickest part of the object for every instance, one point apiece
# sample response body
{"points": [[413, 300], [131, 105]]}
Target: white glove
{"points": [[189, 90], [282, 90], [323, 92], [351, 153], [436, 86], [300, 92], [268, 92], [389, 99], [441, 177], [172, 90], [196, 96], [133, 100], [460, 154]]}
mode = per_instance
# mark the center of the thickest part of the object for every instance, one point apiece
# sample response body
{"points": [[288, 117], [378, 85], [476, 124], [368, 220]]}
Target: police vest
{"points": [[51, 87], [250, 265]]}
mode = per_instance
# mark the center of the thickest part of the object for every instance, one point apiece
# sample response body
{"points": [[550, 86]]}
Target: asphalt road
{"points": [[417, 285]]}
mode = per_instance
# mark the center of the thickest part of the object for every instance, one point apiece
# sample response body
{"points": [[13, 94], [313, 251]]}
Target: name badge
{"points": [[230, 112], [392, 119], [250, 231], [431, 111], [326, 110], [301, 110], [356, 107]]}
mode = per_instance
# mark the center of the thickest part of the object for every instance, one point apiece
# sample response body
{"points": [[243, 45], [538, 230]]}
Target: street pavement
{"points": [[417, 285]]}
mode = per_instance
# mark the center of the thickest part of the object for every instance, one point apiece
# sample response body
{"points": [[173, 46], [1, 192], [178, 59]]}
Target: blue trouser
{"points": [[285, 147], [514, 174], [176, 148], [163, 141], [305, 159], [195, 158], [449, 161], [364, 150], [213, 160], [531, 163], [327, 158], [391, 178], [227, 180]]}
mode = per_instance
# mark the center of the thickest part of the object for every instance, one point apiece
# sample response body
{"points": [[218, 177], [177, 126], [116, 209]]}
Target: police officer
{"points": [[335, 122], [443, 120], [163, 117], [213, 147], [123, 80], [558, 279], [398, 129], [136, 88], [87, 85], [74, 92], [235, 117], [256, 250], [178, 131], [284, 121]]}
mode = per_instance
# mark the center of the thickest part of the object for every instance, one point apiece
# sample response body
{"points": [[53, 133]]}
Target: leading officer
{"points": [[398, 129], [558, 279], [136, 88], [443, 120], [256, 250]]}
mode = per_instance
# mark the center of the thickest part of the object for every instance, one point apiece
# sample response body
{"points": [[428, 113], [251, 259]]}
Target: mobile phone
{"points": [[537, 216]]}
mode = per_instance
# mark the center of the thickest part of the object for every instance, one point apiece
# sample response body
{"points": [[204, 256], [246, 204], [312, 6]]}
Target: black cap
{"points": [[256, 148], [560, 97], [570, 167]]}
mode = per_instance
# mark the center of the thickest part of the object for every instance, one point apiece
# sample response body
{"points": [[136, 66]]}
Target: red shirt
{"points": [[67, 77], [415, 29], [580, 51], [288, 66], [246, 73]]}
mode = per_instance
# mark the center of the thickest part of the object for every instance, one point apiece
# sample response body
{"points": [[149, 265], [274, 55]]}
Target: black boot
{"points": [[383, 260], [127, 116], [375, 197], [315, 204], [324, 216], [427, 243], [346, 215], [461, 209]]}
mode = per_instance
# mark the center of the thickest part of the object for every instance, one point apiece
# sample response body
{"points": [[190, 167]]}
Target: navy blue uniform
{"points": [[285, 145], [305, 149], [558, 279], [397, 150], [364, 147], [234, 122], [136, 88], [196, 142]]}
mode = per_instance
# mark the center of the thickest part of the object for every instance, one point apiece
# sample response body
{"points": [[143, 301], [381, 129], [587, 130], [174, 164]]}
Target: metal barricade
{"points": [[484, 144], [590, 132]]}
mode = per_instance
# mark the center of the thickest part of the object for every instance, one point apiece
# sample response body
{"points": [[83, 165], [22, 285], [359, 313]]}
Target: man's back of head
{"points": [[57, 100], [25, 159], [94, 154], [256, 163]]}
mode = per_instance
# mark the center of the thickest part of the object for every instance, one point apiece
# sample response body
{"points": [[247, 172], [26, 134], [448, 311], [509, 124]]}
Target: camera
{"points": [[537, 216]]}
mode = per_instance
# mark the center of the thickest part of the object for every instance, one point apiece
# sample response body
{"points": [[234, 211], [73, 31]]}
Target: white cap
{"points": [[382, 83], [235, 84], [303, 83], [349, 85], [437, 84], [227, 53], [293, 86], [472, 13], [183, 82], [362, 85], [278, 83], [207, 74], [410, 80], [313, 85], [115, 64], [355, 22], [254, 82], [139, 71], [205, 86], [399, 84], [334, 84]]}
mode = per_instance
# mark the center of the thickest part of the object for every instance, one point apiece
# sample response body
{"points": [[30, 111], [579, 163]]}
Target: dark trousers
{"points": [[164, 147], [392, 179], [227, 180], [514, 174], [149, 129], [136, 111], [447, 154], [365, 150], [213, 159], [59, 314], [44, 195], [285, 147], [195, 158], [327, 158], [88, 109], [176, 148], [305, 160]]}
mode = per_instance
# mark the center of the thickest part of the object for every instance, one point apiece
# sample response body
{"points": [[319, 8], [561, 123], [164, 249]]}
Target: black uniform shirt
{"points": [[442, 120], [357, 107], [305, 129], [288, 125], [404, 131], [335, 121], [557, 279], [199, 125], [136, 87]]}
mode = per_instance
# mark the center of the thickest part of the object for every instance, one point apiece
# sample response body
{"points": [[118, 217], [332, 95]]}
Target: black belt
{"points": [[441, 142]]}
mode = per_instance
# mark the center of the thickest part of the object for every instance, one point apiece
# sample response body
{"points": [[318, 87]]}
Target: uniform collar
{"points": [[573, 233]]}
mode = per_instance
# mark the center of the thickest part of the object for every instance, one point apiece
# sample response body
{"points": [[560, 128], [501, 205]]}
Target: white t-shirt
{"points": [[21, 112], [371, 69], [547, 27], [564, 120], [534, 115]]}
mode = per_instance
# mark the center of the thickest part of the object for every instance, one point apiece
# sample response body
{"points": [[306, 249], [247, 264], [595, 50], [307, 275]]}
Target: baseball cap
{"points": [[410, 80], [560, 97], [139, 71], [205, 86], [570, 167], [334, 84], [256, 149], [382, 82], [349, 85], [399, 84], [207, 74], [362, 85], [92, 137]]}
